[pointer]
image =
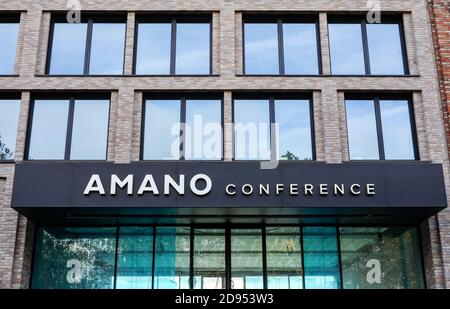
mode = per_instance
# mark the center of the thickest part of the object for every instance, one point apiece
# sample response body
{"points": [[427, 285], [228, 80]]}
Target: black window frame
{"points": [[182, 97], [72, 98], [271, 98], [362, 20], [280, 20], [379, 126], [10, 18], [89, 19], [173, 20]]}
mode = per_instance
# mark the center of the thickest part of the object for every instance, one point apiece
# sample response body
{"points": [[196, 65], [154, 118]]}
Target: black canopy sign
{"points": [[229, 188]]}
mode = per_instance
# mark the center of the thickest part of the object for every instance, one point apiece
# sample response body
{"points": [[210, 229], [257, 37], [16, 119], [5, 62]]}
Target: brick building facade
{"points": [[328, 93], [440, 18]]}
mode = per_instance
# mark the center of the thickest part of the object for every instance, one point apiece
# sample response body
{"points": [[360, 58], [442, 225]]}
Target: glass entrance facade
{"points": [[268, 257]]}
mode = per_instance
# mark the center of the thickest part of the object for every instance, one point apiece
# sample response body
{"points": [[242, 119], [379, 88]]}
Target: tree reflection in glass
{"points": [[284, 258], [75, 258], [246, 259], [381, 258], [9, 120], [209, 259]]}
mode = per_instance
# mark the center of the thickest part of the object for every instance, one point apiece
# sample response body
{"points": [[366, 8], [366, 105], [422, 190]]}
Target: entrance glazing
{"points": [[272, 257]]}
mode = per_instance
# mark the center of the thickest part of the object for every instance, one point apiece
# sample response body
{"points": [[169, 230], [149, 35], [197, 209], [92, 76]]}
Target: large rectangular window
{"points": [[9, 32], [250, 257], [74, 258], [95, 46], [361, 48], [281, 46], [279, 128], [173, 45], [284, 258], [172, 258], [321, 258], [381, 129], [251, 130], [186, 128], [135, 258], [381, 258], [209, 259], [246, 259], [9, 120], [69, 129]]}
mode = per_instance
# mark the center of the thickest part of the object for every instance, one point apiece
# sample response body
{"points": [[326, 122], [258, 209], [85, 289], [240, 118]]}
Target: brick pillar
{"points": [[318, 127], [330, 110], [129, 44], [137, 126], [325, 50], [32, 26], [8, 226], [228, 126], [112, 126], [124, 125], [238, 57], [19, 47], [216, 43]]}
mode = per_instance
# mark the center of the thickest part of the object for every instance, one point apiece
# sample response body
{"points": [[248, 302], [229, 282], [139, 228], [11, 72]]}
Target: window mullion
{"points": [[412, 122], [280, 47], [338, 238], [173, 47], [69, 128], [183, 129], [191, 258], [379, 129], [50, 47], [153, 257], [272, 131], [365, 46], [228, 257], [87, 52], [264, 257], [303, 257], [116, 257]]}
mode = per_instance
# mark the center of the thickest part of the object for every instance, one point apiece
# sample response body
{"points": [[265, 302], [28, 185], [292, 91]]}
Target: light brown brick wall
{"points": [[125, 118]]}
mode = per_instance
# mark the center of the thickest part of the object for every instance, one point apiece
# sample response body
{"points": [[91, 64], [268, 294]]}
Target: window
{"points": [[359, 48], [284, 46], [173, 45], [284, 258], [321, 258], [246, 259], [9, 32], [381, 129], [74, 258], [172, 258], [381, 258], [188, 128], [134, 258], [277, 128], [183, 257], [69, 129], [96, 46], [9, 120], [209, 259]]}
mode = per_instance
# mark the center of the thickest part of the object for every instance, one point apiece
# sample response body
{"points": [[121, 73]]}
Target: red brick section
{"points": [[440, 22]]}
